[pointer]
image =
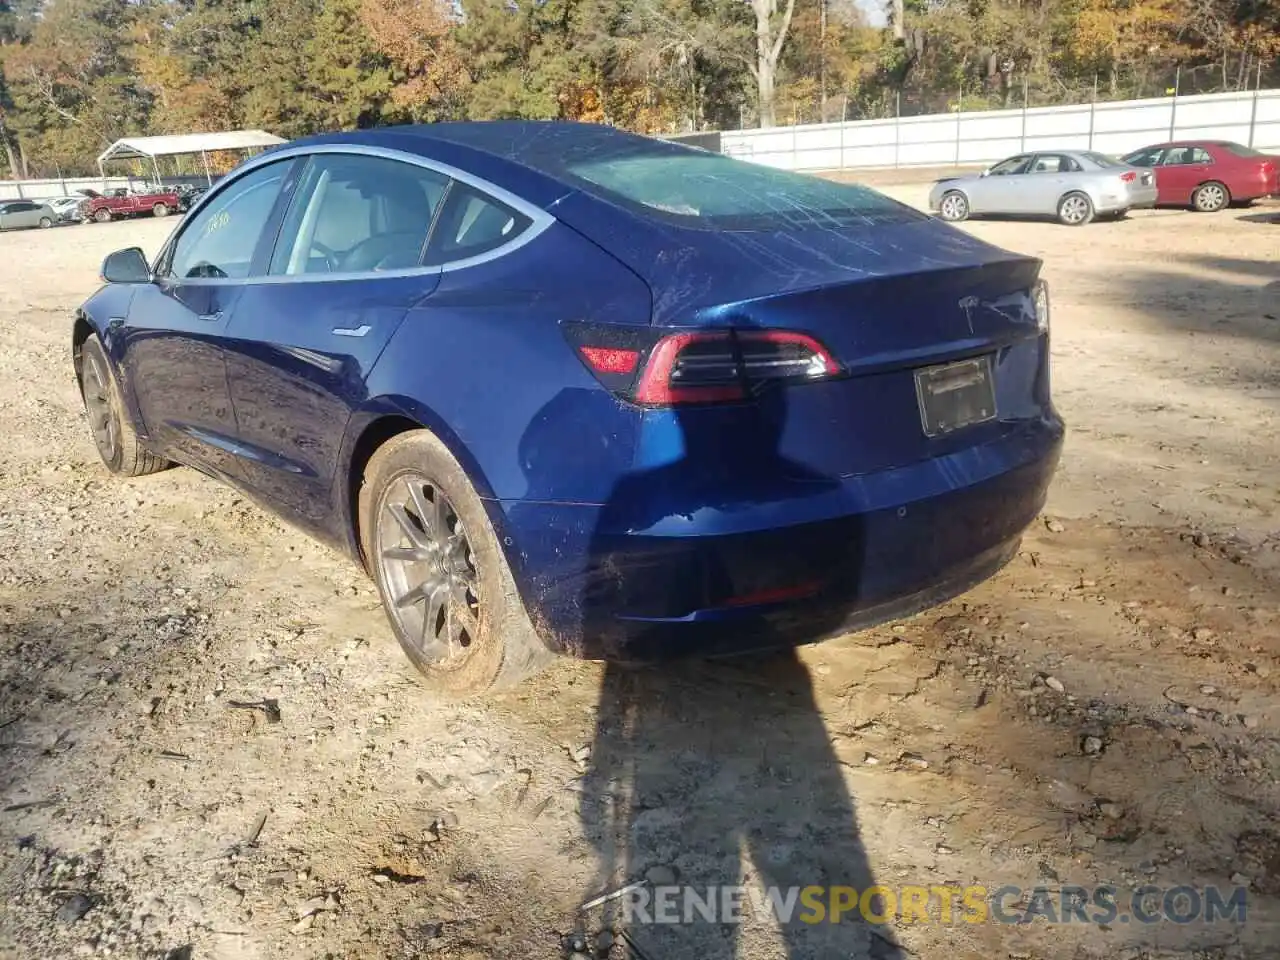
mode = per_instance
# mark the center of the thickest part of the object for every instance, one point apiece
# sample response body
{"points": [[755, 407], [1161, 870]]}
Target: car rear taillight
{"points": [[1128, 177], [703, 366]]}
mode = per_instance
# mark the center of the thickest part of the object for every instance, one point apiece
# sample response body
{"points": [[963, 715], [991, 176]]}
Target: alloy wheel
{"points": [[1075, 209], [97, 404], [428, 570], [954, 207], [1211, 198]]}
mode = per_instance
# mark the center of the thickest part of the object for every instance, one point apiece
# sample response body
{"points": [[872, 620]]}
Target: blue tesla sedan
{"points": [[564, 389]]}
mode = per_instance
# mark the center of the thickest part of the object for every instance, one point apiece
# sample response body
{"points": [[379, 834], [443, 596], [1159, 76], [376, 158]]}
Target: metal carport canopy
{"points": [[149, 148]]}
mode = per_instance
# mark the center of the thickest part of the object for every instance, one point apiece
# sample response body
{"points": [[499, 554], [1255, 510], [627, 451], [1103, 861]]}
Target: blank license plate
{"points": [[955, 395]]}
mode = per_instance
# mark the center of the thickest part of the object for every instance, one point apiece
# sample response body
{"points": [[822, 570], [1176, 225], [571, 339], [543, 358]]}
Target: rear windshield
{"points": [[1240, 150], [701, 189], [1102, 160]]}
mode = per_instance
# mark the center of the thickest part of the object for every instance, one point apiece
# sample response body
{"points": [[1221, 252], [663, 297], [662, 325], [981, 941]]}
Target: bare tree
{"points": [[772, 27]]}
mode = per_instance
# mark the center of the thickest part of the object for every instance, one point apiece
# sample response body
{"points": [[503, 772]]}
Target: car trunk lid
{"points": [[888, 297]]}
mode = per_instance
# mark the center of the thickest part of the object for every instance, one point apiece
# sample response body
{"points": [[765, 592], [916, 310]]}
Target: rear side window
{"points": [[354, 213], [472, 224], [1055, 163]]}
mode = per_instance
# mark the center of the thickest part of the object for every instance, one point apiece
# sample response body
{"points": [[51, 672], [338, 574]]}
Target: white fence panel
{"points": [[1251, 118], [50, 188]]}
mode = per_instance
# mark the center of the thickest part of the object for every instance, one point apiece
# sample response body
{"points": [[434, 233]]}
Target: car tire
{"points": [[160, 210], [45, 223], [1075, 209], [113, 433], [953, 207], [1210, 197], [444, 581], [102, 216]]}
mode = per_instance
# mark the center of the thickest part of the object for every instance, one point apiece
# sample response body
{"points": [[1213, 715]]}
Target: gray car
{"points": [[1072, 185], [15, 214]]}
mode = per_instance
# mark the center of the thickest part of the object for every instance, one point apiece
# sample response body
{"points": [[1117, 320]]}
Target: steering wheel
{"points": [[330, 255], [206, 269]]}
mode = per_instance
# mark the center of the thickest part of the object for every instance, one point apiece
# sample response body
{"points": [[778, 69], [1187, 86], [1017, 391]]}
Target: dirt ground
{"points": [[1104, 711]]}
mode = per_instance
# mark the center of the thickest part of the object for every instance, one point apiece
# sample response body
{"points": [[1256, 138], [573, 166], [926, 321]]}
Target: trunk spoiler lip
{"points": [[728, 314]]}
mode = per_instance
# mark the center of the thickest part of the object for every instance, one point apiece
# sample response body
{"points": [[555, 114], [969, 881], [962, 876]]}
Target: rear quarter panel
{"points": [[483, 363]]}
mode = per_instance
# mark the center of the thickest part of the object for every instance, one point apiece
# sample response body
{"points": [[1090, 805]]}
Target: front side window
{"points": [[1013, 165], [354, 213], [1145, 158], [221, 239]]}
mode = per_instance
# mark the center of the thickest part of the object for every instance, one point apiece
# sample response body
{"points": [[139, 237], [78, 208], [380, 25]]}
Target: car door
{"points": [[22, 214], [1000, 190], [346, 268], [1182, 169], [1048, 179], [170, 345]]}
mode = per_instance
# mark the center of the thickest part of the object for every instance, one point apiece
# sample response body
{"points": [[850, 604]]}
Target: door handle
{"points": [[211, 317], [359, 331]]}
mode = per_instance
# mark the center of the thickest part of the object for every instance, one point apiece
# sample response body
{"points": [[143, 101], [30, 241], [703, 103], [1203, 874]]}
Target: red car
{"points": [[1208, 175]]}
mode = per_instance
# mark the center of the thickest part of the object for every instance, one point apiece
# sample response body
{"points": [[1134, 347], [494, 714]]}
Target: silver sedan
{"points": [[26, 213], [1072, 185]]}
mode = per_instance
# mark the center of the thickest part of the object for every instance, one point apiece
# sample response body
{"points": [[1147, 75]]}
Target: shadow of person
{"points": [[708, 777], [711, 774]]}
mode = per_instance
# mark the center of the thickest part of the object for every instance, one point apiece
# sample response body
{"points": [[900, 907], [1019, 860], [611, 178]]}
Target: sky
{"points": [[874, 11]]}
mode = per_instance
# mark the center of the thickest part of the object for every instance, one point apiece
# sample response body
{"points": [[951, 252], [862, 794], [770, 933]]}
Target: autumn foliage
{"points": [[77, 74]]}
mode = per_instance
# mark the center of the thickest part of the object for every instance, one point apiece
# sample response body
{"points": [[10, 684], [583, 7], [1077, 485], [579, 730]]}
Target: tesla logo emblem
{"points": [[968, 305]]}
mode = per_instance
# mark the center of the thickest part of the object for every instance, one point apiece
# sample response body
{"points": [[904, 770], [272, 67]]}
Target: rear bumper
{"points": [[1134, 198], [916, 535]]}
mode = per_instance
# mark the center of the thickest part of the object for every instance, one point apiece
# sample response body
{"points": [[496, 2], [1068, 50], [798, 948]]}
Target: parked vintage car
{"points": [[16, 214], [120, 203], [1208, 175], [1073, 185]]}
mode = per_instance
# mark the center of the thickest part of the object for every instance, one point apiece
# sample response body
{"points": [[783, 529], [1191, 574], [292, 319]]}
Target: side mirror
{"points": [[985, 173], [126, 266]]}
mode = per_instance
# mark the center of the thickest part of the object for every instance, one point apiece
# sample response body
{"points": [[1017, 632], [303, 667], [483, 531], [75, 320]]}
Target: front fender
{"points": [[110, 302]]}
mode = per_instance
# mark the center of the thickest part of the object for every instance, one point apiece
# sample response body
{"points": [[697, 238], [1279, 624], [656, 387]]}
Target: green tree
{"points": [[348, 77]]}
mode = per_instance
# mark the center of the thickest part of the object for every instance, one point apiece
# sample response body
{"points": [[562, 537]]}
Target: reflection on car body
{"points": [[1075, 186]]}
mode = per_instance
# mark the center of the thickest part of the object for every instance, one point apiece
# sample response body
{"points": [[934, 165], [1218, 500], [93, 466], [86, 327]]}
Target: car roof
{"points": [[527, 157], [1196, 143], [535, 143]]}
